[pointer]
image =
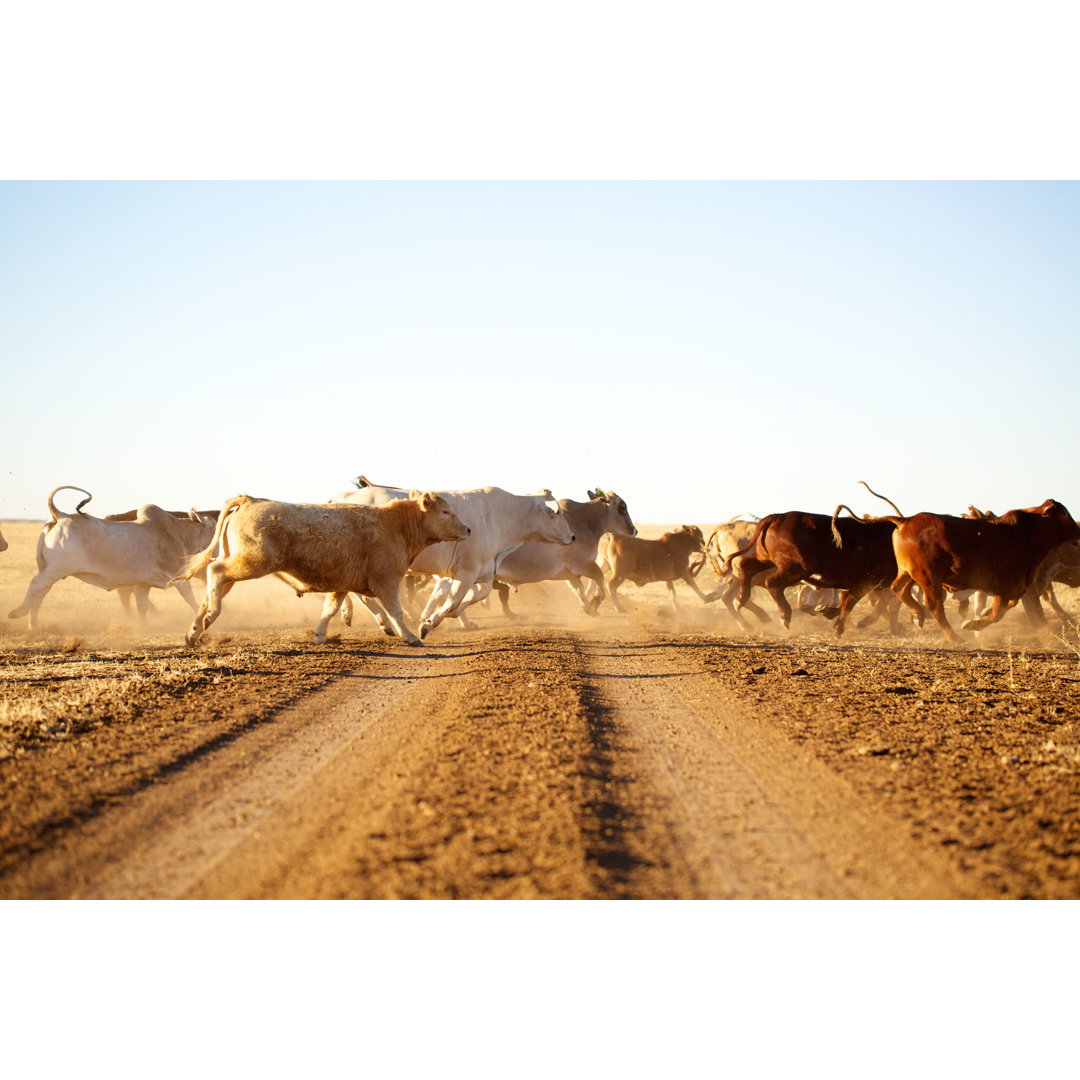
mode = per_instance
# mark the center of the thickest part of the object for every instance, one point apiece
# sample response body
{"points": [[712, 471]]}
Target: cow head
{"points": [[440, 521], [1063, 523], [694, 541], [547, 525], [618, 517]]}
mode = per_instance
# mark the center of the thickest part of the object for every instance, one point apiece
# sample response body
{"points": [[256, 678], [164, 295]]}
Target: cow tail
{"points": [[867, 519], [714, 561], [203, 558], [838, 540], [881, 497], [763, 524], [67, 487]]}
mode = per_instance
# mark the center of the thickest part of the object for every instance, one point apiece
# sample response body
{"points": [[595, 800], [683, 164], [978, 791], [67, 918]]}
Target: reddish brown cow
{"points": [[998, 555], [829, 553], [630, 558]]}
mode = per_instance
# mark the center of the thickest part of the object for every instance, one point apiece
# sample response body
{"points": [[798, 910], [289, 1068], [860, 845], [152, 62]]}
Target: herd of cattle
{"points": [[371, 541]]}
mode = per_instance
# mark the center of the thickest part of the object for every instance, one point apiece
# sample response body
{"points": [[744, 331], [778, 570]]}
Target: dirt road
{"points": [[567, 758]]}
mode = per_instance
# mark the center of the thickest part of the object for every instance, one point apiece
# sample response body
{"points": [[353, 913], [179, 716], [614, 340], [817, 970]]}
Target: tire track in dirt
{"points": [[746, 813], [158, 842]]}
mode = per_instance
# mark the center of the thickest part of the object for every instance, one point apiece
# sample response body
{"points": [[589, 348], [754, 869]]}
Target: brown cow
{"points": [[630, 558], [329, 548], [998, 555], [829, 553]]}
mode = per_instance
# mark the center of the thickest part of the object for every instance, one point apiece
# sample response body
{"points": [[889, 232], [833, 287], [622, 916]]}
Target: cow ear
{"points": [[415, 495], [428, 501], [593, 494]]}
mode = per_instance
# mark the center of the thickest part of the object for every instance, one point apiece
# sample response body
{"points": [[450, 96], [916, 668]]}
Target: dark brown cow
{"points": [[630, 558], [999, 555], [830, 553]]}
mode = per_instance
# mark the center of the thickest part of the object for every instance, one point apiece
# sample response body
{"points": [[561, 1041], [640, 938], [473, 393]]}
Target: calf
{"points": [[630, 558], [335, 549], [999, 555]]}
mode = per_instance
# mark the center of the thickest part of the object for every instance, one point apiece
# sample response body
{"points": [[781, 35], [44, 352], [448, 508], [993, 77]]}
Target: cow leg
{"points": [[901, 587], [671, 589], [331, 606], [591, 603], [347, 610], [218, 586], [727, 596], [479, 592], [36, 591], [1052, 600], [775, 586], [689, 579], [997, 610], [748, 570], [124, 593], [934, 595], [1033, 609], [848, 599], [186, 591], [504, 598], [142, 602], [437, 598], [776, 583], [455, 592], [613, 592], [375, 609], [390, 599]]}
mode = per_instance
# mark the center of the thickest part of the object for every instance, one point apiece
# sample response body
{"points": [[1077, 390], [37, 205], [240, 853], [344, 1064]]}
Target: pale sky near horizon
{"points": [[703, 348]]}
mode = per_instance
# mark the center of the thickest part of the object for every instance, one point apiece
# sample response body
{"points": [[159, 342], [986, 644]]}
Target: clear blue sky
{"points": [[704, 348]]}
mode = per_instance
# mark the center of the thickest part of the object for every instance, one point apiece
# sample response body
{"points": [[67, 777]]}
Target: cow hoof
{"points": [[424, 629]]}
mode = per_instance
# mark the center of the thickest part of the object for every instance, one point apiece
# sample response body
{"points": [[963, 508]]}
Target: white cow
{"points": [[604, 512], [147, 552], [723, 542], [500, 522]]}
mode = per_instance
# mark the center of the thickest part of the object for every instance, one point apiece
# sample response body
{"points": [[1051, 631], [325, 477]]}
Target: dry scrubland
{"points": [[654, 754]]}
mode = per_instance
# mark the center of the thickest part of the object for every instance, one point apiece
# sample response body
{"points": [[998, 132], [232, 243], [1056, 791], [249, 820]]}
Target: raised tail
{"points": [[881, 497], [67, 487], [865, 519], [202, 558]]}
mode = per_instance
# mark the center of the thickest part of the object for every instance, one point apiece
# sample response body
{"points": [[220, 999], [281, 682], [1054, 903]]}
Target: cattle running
{"points": [[325, 548]]}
